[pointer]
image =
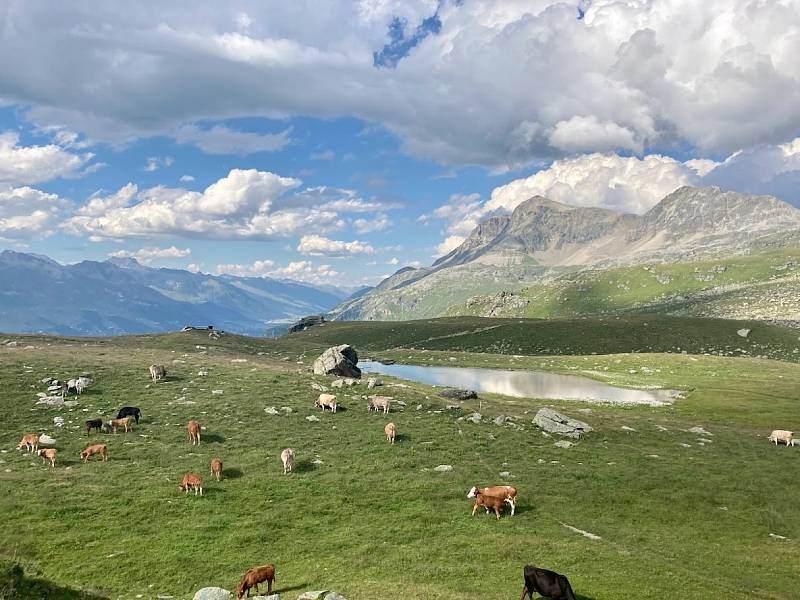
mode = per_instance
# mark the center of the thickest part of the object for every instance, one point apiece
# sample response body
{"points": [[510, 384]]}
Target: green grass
{"points": [[595, 335], [374, 521]]}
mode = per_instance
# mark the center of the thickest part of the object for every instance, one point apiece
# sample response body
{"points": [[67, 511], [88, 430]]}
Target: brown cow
{"points": [[117, 423], [100, 449], [255, 576], [216, 468], [491, 502], [191, 481], [391, 431], [194, 432], [30, 441], [48, 454]]}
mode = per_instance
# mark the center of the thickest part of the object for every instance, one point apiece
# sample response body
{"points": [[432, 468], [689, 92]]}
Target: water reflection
{"points": [[523, 384]]}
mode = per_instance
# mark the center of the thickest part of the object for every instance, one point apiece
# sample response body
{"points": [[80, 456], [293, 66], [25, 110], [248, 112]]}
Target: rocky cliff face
{"points": [[503, 253]]}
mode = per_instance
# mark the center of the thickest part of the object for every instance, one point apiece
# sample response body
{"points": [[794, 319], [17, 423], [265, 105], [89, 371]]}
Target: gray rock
{"points": [[502, 420], [271, 410], [443, 468], [286, 409], [312, 418], [212, 593], [338, 383], [320, 595], [71, 403], [699, 431], [51, 401], [338, 360], [334, 596], [270, 597], [455, 394], [563, 444], [554, 422], [58, 421], [46, 440], [743, 333], [475, 417], [374, 382], [318, 387]]}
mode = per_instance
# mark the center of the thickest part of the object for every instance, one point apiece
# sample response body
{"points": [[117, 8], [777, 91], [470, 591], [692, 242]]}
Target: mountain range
{"points": [[512, 265], [119, 296]]}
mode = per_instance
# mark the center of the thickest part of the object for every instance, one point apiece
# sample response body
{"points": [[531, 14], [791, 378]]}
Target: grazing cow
{"points": [[326, 401], [781, 435], [547, 583], [191, 481], [158, 372], [489, 502], [48, 454], [130, 411], [94, 424], [30, 441], [194, 432], [379, 403], [287, 457], [100, 449], [216, 468], [117, 423], [255, 576], [391, 431], [507, 492]]}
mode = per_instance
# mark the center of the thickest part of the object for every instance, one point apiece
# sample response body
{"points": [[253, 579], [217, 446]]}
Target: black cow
{"points": [[547, 583], [129, 411], [93, 424]]}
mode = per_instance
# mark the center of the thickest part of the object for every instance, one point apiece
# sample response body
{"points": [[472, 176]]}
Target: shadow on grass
{"points": [[401, 437], [303, 466], [15, 585], [232, 473], [212, 438]]}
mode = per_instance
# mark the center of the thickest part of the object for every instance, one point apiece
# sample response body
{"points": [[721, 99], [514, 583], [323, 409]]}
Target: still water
{"points": [[523, 384]]}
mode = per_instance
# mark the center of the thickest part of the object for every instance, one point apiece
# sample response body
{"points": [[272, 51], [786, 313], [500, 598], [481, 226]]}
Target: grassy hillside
{"points": [[764, 285], [374, 521], [636, 333]]}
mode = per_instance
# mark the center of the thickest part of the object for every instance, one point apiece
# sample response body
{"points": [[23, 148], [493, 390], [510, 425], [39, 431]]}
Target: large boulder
{"points": [[454, 394], [317, 595], [554, 422], [212, 593], [338, 360]]}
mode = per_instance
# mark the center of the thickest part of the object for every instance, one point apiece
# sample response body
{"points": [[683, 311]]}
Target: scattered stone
{"points": [[541, 461], [312, 418], [704, 440], [286, 409], [778, 537], [212, 593], [271, 410], [686, 445], [217, 392], [320, 595], [419, 407], [554, 422], [71, 403], [506, 475], [475, 417], [338, 383], [661, 428], [51, 401], [455, 394], [270, 597], [318, 387], [46, 440], [338, 360], [58, 421], [699, 431], [626, 428], [202, 372], [743, 333], [443, 468], [334, 596], [373, 382], [238, 360], [563, 444]]}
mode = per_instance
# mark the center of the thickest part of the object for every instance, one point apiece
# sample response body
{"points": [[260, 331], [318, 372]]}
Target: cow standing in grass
{"points": [[547, 583], [194, 432]]}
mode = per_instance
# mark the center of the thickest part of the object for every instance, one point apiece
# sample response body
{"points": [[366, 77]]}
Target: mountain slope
{"points": [[123, 296], [544, 244]]}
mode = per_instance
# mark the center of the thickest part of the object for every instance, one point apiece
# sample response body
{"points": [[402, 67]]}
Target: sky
{"points": [[334, 143]]}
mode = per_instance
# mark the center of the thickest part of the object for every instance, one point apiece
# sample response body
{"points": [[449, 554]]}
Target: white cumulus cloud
{"points": [[36, 164], [223, 140], [148, 254], [27, 212], [317, 245]]}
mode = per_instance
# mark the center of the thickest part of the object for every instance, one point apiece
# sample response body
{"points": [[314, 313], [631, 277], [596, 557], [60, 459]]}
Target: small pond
{"points": [[523, 384]]}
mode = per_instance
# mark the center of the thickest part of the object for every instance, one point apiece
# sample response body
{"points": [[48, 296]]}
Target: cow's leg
{"points": [[474, 508]]}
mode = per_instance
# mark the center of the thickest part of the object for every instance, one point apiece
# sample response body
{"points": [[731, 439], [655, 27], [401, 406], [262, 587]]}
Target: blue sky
{"points": [[338, 144]]}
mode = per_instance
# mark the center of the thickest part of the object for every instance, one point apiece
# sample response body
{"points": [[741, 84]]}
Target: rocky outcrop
{"points": [[338, 360], [454, 394], [307, 322], [212, 593], [554, 422]]}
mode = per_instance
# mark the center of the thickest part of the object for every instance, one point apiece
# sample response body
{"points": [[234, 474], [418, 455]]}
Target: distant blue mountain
{"points": [[120, 296]]}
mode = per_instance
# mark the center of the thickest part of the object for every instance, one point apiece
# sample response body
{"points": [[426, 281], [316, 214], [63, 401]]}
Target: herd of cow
{"points": [[542, 581]]}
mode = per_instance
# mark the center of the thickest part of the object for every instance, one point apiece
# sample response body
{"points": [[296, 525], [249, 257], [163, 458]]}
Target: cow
{"points": [[30, 441], [99, 449], [191, 481], [194, 432], [391, 432], [287, 458], [378, 403], [506, 492], [124, 423], [216, 468], [130, 411], [94, 424], [781, 435], [48, 454], [255, 576], [326, 401], [547, 583], [489, 502], [158, 372]]}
